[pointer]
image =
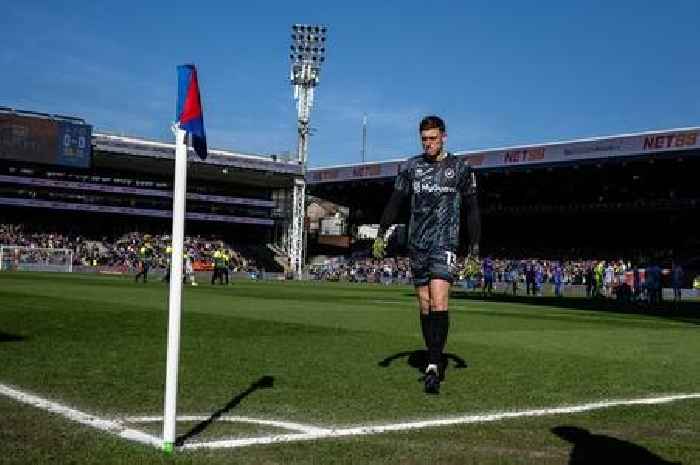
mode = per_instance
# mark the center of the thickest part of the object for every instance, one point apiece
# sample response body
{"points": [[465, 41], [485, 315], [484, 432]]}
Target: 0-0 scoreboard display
{"points": [[45, 140]]}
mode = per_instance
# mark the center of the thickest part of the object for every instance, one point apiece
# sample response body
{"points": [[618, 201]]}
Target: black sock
{"points": [[425, 327], [440, 325]]}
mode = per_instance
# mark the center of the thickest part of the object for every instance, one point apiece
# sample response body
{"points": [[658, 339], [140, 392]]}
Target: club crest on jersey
{"points": [[449, 173]]}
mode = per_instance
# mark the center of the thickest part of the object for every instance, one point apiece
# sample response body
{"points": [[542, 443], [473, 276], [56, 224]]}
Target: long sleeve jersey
{"points": [[437, 191]]}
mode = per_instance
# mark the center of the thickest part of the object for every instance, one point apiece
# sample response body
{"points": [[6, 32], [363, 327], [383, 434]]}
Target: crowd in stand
{"points": [[387, 270], [18, 235], [608, 278], [504, 270], [125, 250], [612, 278], [121, 251]]}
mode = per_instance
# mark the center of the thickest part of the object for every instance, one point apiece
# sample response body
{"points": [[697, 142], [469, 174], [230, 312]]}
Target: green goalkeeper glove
{"points": [[378, 248]]}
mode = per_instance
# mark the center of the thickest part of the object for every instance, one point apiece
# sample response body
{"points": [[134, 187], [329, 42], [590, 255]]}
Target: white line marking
{"points": [[309, 432], [481, 418], [110, 426], [235, 419]]}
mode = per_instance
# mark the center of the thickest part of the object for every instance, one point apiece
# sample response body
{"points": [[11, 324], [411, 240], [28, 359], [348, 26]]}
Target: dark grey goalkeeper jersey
{"points": [[436, 191]]}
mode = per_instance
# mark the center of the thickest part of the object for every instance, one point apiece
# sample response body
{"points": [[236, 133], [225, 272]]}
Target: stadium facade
{"points": [[632, 195]]}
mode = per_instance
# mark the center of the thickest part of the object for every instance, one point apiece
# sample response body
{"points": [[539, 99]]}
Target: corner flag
{"points": [[189, 108], [189, 121]]}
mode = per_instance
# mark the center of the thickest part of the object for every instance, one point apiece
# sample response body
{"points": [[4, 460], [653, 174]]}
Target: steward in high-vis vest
{"points": [[168, 253], [226, 259], [145, 256], [219, 266]]}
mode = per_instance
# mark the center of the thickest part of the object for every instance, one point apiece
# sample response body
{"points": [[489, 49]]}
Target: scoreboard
{"points": [[45, 140]]}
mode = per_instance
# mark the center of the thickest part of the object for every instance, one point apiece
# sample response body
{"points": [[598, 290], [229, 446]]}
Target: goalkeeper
{"points": [[438, 186]]}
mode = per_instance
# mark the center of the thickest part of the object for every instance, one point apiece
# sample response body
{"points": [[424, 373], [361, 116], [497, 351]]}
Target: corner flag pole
{"points": [[175, 300], [189, 121]]}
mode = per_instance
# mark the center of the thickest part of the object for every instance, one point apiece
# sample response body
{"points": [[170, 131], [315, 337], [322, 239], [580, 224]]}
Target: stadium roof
{"points": [[150, 156], [156, 149], [120, 152], [664, 142], [36, 114]]}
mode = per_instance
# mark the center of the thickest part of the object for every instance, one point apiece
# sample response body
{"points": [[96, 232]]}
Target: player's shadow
{"points": [[598, 449], [4, 337], [262, 383], [418, 359]]}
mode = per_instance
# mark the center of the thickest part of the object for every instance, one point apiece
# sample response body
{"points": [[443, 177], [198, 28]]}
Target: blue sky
{"points": [[499, 72]]}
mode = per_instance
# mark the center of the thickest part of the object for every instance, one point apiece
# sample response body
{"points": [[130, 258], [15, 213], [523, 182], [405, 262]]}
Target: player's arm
{"points": [[389, 216], [391, 213], [471, 213]]}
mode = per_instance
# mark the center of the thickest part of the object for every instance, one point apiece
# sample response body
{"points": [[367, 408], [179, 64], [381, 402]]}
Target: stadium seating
{"points": [[122, 250]]}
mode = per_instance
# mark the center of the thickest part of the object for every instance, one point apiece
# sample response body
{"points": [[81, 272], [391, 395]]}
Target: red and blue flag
{"points": [[189, 108]]}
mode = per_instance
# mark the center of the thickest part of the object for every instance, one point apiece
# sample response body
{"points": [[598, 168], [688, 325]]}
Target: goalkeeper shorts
{"points": [[432, 265]]}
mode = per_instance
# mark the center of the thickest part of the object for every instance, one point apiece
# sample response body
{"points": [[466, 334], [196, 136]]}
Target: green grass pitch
{"points": [[98, 344]]}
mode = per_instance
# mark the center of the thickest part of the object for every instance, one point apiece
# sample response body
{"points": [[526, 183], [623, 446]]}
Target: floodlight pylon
{"points": [[307, 55]]}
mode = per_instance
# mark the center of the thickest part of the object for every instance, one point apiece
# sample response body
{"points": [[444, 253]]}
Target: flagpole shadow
{"points": [[5, 337], [264, 382]]}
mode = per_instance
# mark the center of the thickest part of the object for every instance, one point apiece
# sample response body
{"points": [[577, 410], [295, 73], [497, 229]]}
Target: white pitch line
{"points": [[309, 432], [235, 419], [467, 419], [110, 426]]}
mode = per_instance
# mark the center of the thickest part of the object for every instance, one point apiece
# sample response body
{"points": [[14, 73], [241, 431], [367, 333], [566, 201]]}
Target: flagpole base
{"points": [[168, 447]]}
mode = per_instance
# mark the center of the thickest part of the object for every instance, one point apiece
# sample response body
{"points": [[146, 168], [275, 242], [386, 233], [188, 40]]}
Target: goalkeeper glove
{"points": [[378, 248]]}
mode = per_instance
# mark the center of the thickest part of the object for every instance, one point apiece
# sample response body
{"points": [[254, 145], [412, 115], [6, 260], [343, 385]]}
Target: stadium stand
{"points": [[58, 178], [121, 252], [634, 196]]}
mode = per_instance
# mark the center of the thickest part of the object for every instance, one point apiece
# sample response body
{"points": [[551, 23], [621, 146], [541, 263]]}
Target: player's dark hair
{"points": [[432, 122]]}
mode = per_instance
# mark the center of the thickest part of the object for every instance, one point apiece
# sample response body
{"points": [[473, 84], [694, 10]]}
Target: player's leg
{"points": [[441, 267], [439, 315], [421, 279], [423, 296], [438, 322]]}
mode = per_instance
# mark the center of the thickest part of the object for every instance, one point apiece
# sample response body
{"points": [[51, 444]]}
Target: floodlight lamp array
{"points": [[308, 44]]}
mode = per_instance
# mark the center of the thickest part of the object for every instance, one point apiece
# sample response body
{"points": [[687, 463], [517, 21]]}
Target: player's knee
{"points": [[424, 304], [437, 303]]}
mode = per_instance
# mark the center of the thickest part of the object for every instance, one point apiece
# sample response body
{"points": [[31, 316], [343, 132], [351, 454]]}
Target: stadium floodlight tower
{"points": [[307, 54]]}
